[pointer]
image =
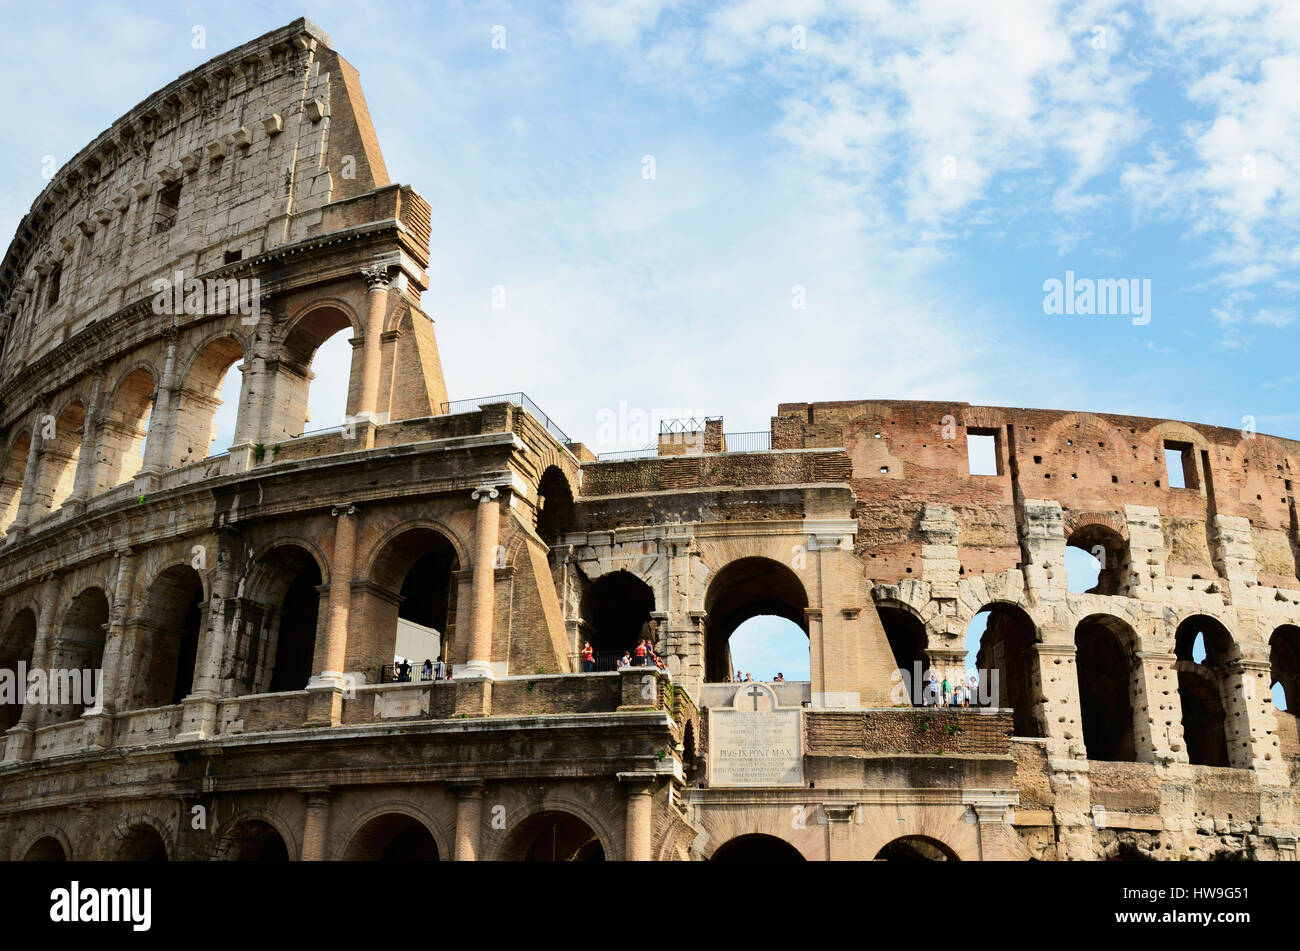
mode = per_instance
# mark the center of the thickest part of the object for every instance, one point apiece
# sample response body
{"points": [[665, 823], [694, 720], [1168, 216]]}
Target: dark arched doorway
{"points": [[1005, 666], [747, 588], [555, 514], [46, 849], [80, 653], [916, 848], [279, 618], [616, 613], [1104, 663], [554, 837], [257, 841], [16, 648], [756, 847], [142, 844], [419, 567], [1204, 649], [168, 639], [393, 838]]}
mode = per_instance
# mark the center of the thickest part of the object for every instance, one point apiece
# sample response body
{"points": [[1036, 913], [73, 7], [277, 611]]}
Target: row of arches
{"points": [[1108, 667], [108, 445], [551, 836]]}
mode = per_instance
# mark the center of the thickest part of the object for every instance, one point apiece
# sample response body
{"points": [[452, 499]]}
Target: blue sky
{"points": [[916, 171]]}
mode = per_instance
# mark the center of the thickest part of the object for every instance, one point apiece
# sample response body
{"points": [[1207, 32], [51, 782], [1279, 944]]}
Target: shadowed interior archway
{"points": [[46, 849], [756, 847], [1204, 649], [142, 843], [1284, 663], [616, 611], [553, 836], [916, 848], [415, 617], [393, 837], [556, 499], [743, 589], [256, 840], [80, 652], [167, 639], [16, 646], [278, 621], [1006, 666], [11, 479], [907, 643], [1104, 663]]}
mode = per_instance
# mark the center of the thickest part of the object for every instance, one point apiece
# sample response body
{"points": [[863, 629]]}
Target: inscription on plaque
{"points": [[755, 742]]}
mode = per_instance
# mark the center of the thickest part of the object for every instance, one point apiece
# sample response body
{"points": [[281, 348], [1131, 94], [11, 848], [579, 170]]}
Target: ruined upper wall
{"points": [[905, 454], [234, 159]]}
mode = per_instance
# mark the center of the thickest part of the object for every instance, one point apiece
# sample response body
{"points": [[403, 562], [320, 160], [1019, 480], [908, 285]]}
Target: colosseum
{"points": [[236, 612]]}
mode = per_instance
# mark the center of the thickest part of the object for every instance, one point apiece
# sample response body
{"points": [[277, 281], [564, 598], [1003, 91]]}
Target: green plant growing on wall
{"points": [[259, 452]]}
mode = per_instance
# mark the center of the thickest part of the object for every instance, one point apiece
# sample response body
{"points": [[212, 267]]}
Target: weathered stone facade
{"points": [[243, 607]]}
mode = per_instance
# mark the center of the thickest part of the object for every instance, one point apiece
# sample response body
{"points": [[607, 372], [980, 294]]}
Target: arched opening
{"points": [[1096, 560], [768, 648], [1000, 642], [278, 621], [125, 429], [79, 658], [11, 479], [16, 647], [255, 840], [1104, 664], [555, 501], [46, 849], [916, 848], [554, 837], [747, 588], [204, 407], [415, 619], [907, 642], [59, 455], [167, 639], [756, 847], [616, 611], [1284, 661], [315, 349], [392, 838], [142, 844], [1204, 649]]}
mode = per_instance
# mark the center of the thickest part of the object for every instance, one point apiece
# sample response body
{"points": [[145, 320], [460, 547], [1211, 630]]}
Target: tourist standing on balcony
{"points": [[426, 672], [625, 660], [439, 669], [640, 653], [404, 671], [588, 658]]}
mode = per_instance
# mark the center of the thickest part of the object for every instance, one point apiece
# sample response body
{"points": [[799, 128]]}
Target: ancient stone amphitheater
{"points": [[244, 607]]}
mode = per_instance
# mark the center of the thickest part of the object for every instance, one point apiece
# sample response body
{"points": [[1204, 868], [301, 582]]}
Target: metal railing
{"points": [[760, 441], [392, 674], [649, 452], [520, 399], [603, 661]]}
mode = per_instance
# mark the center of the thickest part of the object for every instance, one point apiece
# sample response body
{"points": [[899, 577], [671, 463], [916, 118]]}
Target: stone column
{"points": [[376, 310], [639, 789], [31, 475], [99, 725], [326, 706], [200, 718], [839, 830], [469, 819], [1251, 728], [1157, 734], [162, 423], [83, 487], [486, 538], [20, 739], [315, 826], [256, 391]]}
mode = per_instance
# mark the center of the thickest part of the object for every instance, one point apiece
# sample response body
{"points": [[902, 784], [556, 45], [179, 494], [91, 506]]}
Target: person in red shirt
{"points": [[588, 658], [640, 653]]}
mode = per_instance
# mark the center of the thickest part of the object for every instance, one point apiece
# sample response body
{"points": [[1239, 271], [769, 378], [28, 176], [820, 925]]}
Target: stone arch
{"points": [[1203, 687], [1284, 663], [17, 645], [756, 847], [255, 840], [395, 831], [12, 477], [59, 457], [1104, 664], [411, 599], [47, 844], [125, 426], [231, 842], [555, 498], [1197, 449], [916, 848], [616, 613], [1107, 542], [166, 635], [1006, 655], [316, 322], [199, 395], [279, 618], [79, 646], [506, 848], [553, 835], [909, 643], [742, 589], [141, 839]]}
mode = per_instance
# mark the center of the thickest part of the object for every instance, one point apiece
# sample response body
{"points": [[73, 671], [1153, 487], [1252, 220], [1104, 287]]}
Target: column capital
{"points": [[376, 277], [484, 493], [640, 782], [345, 508]]}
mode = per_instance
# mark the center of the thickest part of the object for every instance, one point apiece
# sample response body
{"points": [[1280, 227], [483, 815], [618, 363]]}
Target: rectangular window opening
{"points": [[169, 201], [983, 452], [1180, 465]]}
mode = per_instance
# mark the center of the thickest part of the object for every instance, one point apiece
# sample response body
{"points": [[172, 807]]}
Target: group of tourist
{"points": [[431, 670], [643, 655], [947, 693], [748, 678]]}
